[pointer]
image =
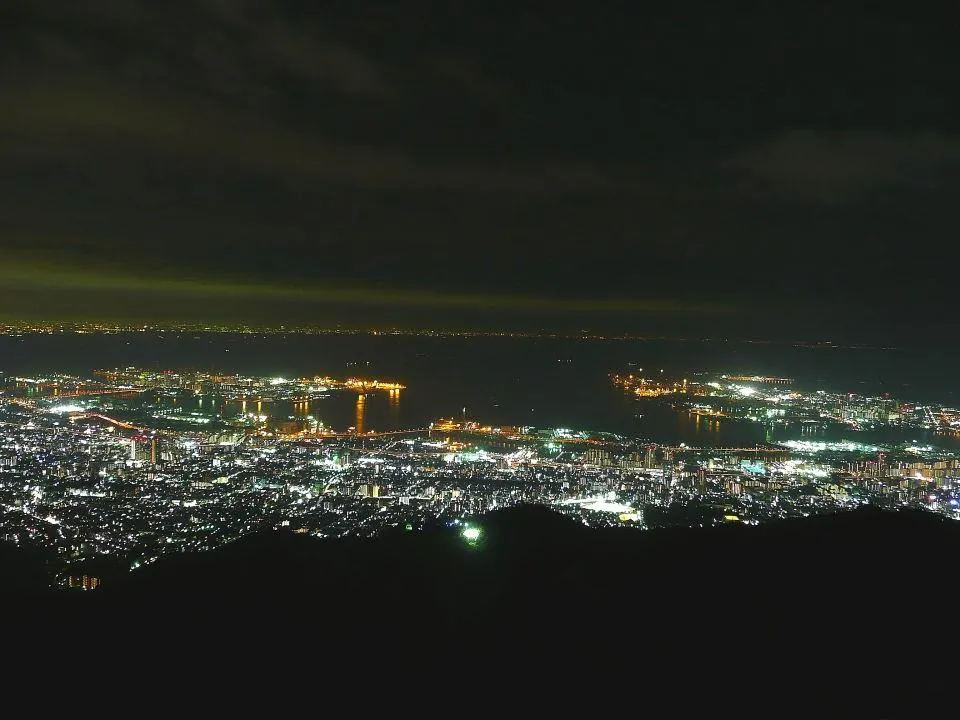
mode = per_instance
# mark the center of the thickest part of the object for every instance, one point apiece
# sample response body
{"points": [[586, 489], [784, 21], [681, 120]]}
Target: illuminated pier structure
{"points": [[759, 379]]}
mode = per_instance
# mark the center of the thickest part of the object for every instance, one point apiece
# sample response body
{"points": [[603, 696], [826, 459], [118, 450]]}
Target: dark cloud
{"points": [[248, 53], [95, 118], [689, 156], [835, 166]]}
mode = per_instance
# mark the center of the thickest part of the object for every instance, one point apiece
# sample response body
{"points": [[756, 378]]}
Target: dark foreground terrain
{"points": [[858, 608]]}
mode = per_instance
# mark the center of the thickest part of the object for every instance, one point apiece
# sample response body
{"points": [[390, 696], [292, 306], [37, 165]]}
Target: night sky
{"points": [[792, 169]]}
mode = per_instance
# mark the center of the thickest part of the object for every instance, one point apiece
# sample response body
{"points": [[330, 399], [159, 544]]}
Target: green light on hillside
{"points": [[471, 534]]}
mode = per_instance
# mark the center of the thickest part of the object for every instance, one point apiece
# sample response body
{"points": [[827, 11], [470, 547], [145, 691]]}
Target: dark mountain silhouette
{"points": [[831, 601], [22, 571]]}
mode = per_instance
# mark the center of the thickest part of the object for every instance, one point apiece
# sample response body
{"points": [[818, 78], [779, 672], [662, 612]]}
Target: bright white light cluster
{"points": [[600, 504], [812, 446], [67, 409]]}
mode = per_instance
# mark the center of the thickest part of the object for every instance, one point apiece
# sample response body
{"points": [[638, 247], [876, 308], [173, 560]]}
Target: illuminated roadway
{"points": [[107, 418], [32, 405], [415, 431], [361, 436]]}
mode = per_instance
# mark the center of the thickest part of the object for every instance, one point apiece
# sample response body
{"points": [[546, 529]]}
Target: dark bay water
{"points": [[516, 381]]}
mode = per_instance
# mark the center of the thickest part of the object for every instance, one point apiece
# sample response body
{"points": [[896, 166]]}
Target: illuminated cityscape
{"points": [[468, 352], [112, 467], [775, 401]]}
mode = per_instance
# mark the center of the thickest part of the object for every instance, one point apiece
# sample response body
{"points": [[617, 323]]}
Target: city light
{"points": [[202, 477], [60, 409], [471, 534]]}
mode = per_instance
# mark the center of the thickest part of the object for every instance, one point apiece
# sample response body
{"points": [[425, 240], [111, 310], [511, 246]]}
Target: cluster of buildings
{"points": [[101, 497], [777, 400], [140, 398], [232, 386]]}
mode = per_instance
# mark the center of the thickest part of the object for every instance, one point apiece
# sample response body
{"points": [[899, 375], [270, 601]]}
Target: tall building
{"points": [[734, 486], [144, 449], [83, 582], [649, 458], [598, 456], [369, 490]]}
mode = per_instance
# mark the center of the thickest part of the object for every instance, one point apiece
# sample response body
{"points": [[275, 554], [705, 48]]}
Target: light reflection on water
{"points": [[338, 410], [540, 382], [385, 411], [664, 424]]}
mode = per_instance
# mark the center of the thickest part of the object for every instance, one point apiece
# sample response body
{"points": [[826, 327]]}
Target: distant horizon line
{"points": [[8, 327]]}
